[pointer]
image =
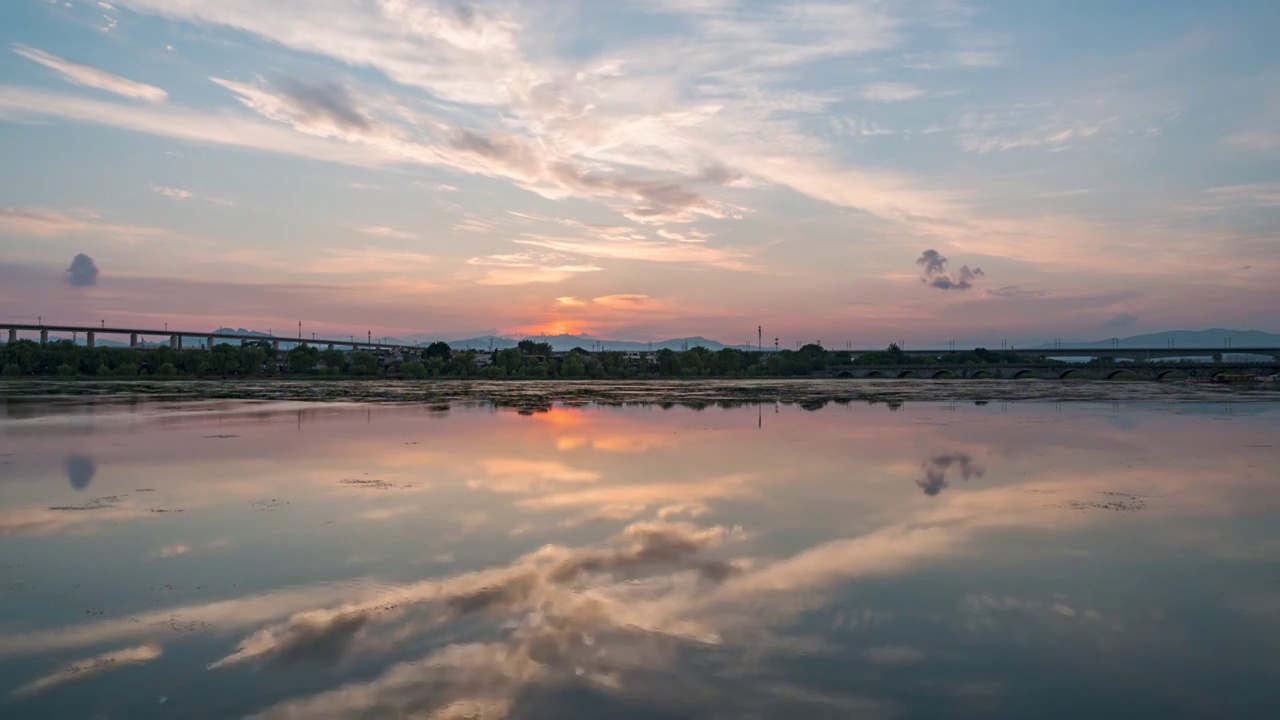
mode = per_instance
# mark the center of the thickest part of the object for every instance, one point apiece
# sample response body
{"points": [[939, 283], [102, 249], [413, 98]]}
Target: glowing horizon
{"points": [[642, 170]]}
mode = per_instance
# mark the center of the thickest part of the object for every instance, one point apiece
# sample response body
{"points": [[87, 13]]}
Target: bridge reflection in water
{"points": [[1119, 371]]}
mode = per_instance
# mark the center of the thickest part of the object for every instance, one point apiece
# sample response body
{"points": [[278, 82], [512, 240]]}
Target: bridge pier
{"points": [[1217, 358], [209, 343], [90, 338], [44, 337], [243, 342], [330, 346], [275, 345], [133, 340], [13, 335], [174, 342]]}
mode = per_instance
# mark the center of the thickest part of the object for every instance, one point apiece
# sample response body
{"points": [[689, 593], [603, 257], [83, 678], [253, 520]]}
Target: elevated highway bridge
{"points": [[175, 338], [1134, 354]]}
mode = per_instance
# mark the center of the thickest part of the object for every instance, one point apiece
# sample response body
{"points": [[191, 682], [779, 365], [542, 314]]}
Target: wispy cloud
{"points": [[1257, 194], [645, 250], [385, 231], [93, 77], [375, 261], [891, 92], [171, 192], [527, 268], [88, 667], [183, 124], [38, 222], [169, 551]]}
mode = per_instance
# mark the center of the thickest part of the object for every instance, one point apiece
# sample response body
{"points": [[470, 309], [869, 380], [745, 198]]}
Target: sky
{"points": [[838, 171]]}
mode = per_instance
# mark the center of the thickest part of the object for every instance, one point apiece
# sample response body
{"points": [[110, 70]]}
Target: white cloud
{"points": [[369, 260], [1257, 194], [93, 77], [891, 92], [171, 551], [1254, 140], [39, 222], [184, 124], [527, 268], [175, 193], [88, 667], [385, 231], [634, 129], [646, 250]]}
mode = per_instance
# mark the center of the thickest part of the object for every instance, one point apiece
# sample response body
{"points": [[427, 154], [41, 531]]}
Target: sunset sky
{"points": [[643, 169]]}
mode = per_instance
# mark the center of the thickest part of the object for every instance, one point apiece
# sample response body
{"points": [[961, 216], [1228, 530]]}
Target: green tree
{"points": [[435, 366], [731, 361], [252, 358], [11, 369], [413, 369], [364, 363], [668, 362], [573, 367], [302, 358], [438, 349], [334, 359], [534, 348], [168, 370], [224, 358], [510, 360], [462, 364], [695, 361]]}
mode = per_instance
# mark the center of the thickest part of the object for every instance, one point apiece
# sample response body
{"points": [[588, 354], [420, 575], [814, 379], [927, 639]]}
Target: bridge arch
{"points": [[1072, 374], [908, 374], [875, 374], [983, 374], [1170, 376], [1122, 374], [844, 375], [1025, 375], [944, 375]]}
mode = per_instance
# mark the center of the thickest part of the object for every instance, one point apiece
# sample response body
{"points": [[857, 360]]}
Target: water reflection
{"points": [[937, 467], [80, 471], [334, 561]]}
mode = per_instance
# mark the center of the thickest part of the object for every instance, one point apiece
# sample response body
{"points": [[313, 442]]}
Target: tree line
{"points": [[529, 359]]}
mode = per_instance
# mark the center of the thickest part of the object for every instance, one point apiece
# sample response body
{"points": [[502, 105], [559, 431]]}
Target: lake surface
{"points": [[171, 557]]}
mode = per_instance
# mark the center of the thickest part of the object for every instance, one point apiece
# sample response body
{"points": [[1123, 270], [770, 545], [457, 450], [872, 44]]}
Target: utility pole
{"points": [[760, 338], [775, 345], [299, 329]]}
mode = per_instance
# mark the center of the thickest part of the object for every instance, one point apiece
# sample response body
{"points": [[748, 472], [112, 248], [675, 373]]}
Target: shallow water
{"points": [[486, 551]]}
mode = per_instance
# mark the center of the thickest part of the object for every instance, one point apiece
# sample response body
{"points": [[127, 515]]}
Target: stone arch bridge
{"points": [[1126, 371]]}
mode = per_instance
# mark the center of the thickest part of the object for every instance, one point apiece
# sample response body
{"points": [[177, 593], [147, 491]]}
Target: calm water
{"points": [[214, 559]]}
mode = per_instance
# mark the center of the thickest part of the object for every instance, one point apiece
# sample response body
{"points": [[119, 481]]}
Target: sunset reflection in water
{"points": [[223, 559]]}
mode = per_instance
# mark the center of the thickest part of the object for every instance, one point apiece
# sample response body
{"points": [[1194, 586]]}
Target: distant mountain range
{"points": [[563, 343], [1211, 338]]}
